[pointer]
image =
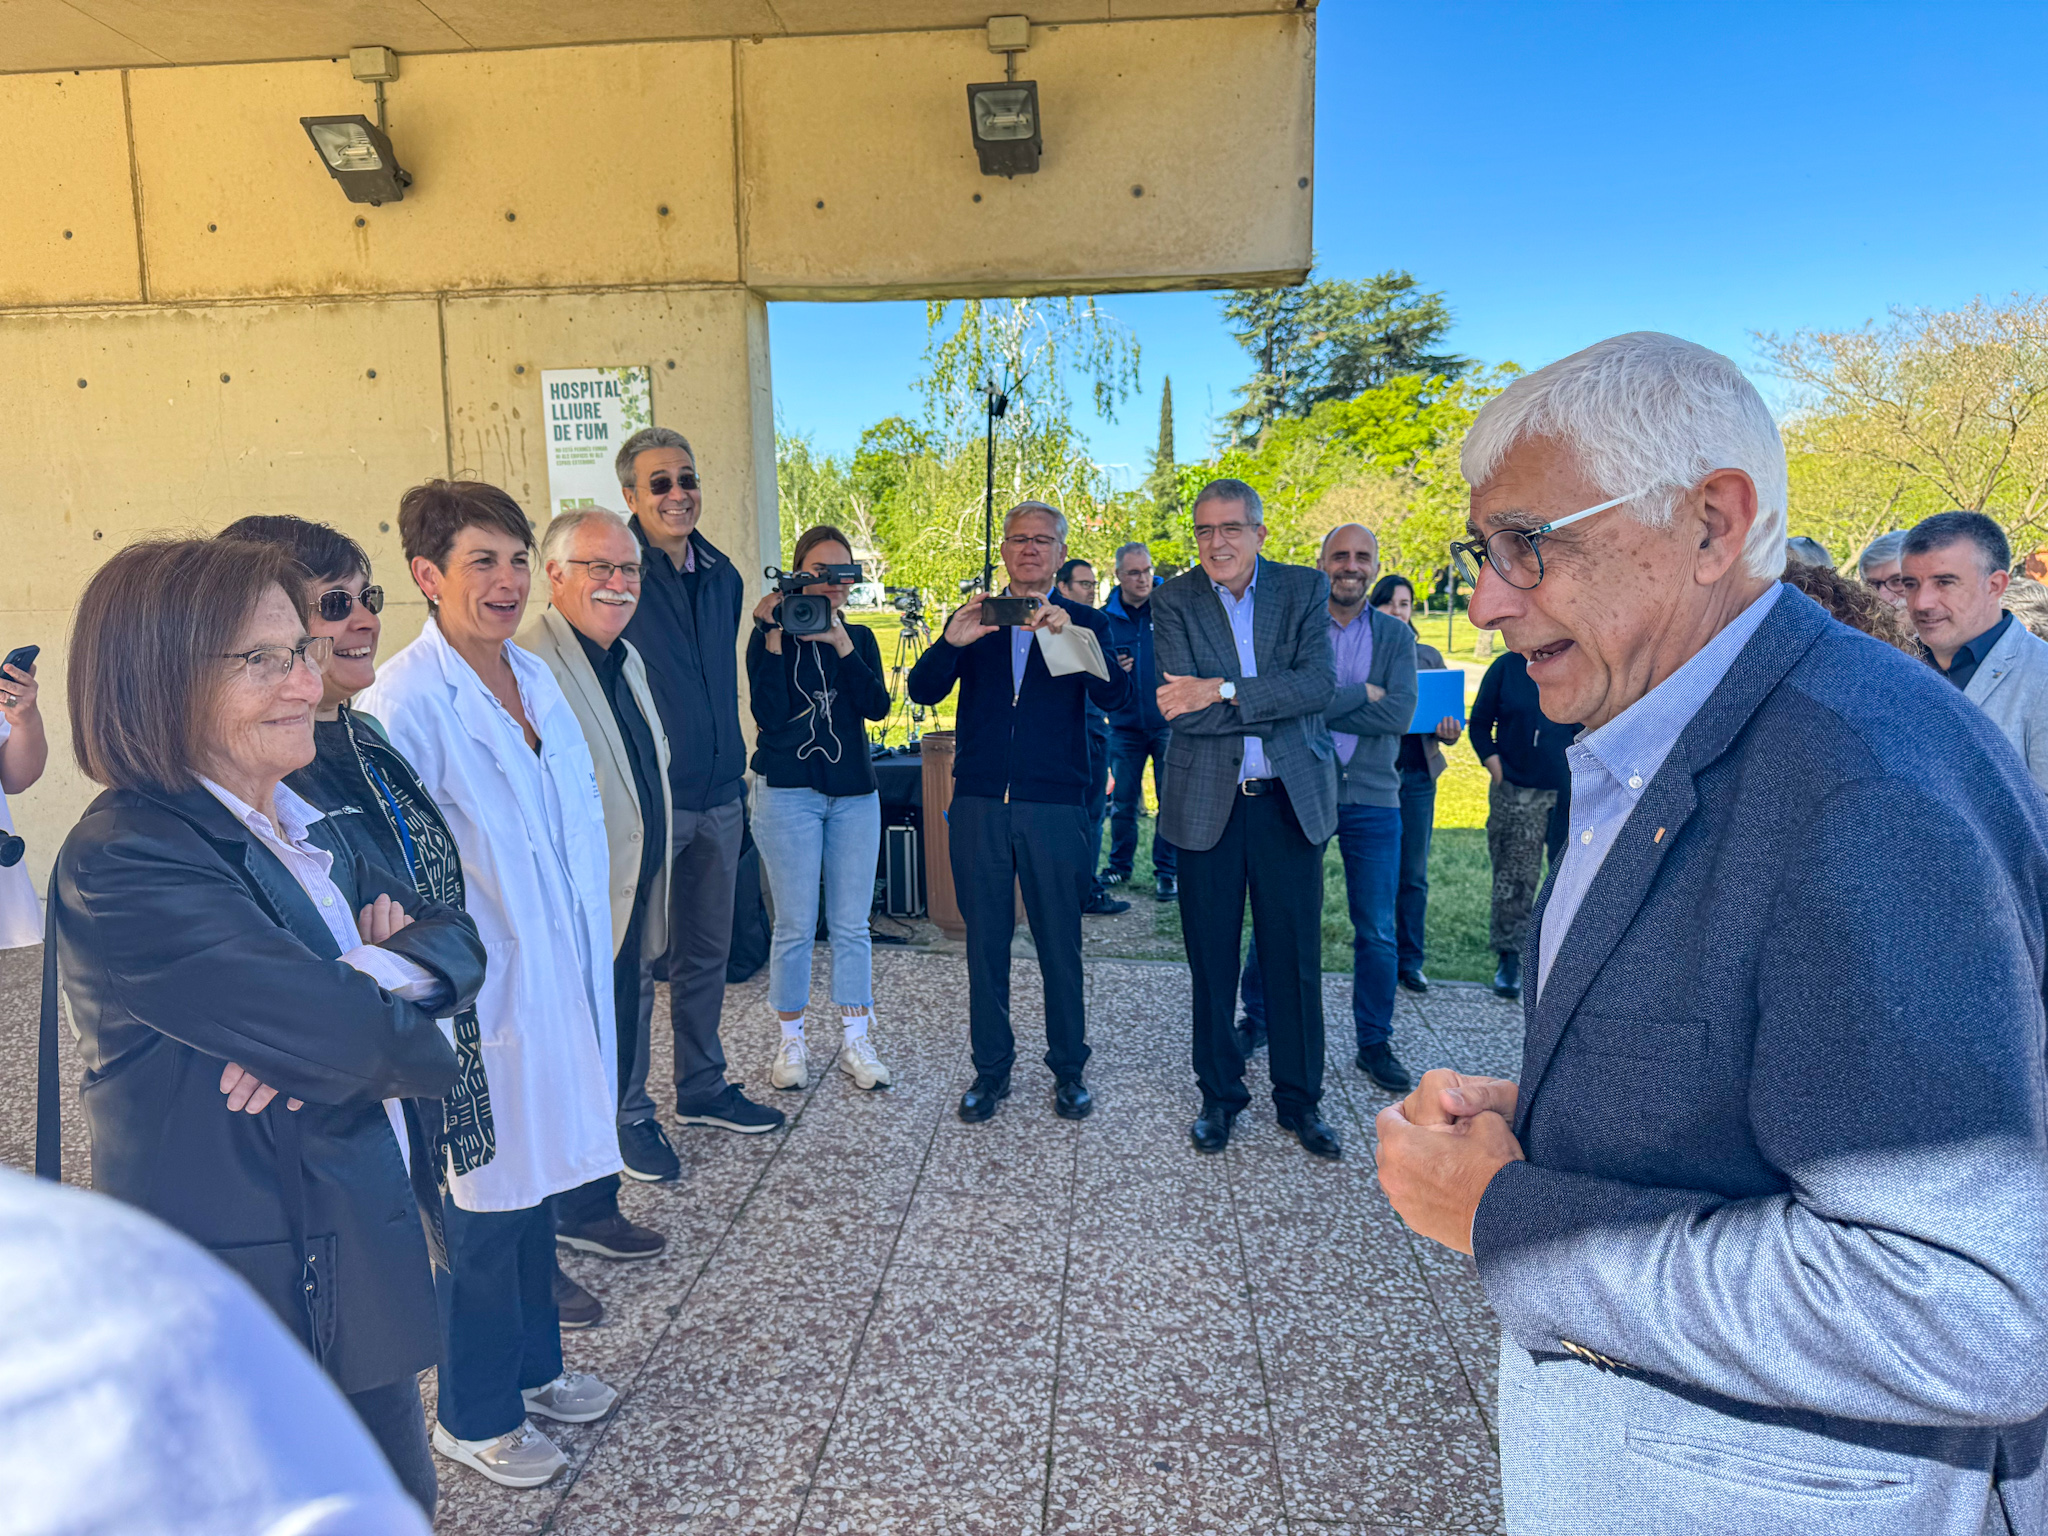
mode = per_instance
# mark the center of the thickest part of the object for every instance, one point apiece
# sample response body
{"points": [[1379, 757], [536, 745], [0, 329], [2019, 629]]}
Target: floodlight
{"points": [[359, 156]]}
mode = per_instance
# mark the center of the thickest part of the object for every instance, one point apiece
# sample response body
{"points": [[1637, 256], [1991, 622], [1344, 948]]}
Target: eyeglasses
{"points": [[336, 602], [1209, 533], [1030, 540], [661, 485], [601, 570], [1888, 583], [272, 664], [1512, 552]]}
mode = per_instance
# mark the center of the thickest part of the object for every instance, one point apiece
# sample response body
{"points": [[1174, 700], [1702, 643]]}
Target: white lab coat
{"points": [[536, 873], [21, 914]]}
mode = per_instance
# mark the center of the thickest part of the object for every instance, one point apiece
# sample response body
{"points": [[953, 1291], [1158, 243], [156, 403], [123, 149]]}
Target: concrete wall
{"points": [[196, 325]]}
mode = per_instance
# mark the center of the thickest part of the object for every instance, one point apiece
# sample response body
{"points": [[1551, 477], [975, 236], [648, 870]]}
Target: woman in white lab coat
{"points": [[496, 744], [24, 750]]}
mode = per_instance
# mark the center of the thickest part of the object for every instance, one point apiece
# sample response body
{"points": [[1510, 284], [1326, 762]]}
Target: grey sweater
{"points": [[1371, 778]]}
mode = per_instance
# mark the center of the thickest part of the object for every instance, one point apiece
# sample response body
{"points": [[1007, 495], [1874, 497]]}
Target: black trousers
{"points": [[396, 1420], [1264, 853], [998, 845], [599, 1199]]}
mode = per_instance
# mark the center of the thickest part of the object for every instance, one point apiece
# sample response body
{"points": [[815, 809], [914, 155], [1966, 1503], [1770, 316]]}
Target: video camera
{"points": [[906, 600], [799, 613]]}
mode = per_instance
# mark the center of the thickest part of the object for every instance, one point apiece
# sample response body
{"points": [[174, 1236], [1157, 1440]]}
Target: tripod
{"points": [[913, 634]]}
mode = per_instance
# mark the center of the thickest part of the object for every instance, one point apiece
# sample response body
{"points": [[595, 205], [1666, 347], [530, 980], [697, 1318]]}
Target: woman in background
{"points": [[816, 809], [1421, 760], [24, 752]]}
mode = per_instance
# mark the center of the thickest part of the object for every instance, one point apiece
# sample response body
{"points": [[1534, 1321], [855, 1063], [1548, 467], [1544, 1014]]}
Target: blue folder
{"points": [[1438, 695]]}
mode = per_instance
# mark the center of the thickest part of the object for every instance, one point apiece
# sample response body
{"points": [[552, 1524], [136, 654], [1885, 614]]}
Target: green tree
{"points": [[1331, 340], [811, 488], [1162, 485], [1933, 410]]}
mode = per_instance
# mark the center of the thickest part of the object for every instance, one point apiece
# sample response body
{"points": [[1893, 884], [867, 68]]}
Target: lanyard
{"points": [[412, 863]]}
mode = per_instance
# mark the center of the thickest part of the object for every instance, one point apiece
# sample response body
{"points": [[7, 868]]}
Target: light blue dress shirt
{"points": [[1020, 653], [1239, 611], [1611, 767]]}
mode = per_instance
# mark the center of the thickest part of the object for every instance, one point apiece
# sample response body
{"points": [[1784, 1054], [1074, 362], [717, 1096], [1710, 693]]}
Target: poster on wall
{"points": [[590, 412]]}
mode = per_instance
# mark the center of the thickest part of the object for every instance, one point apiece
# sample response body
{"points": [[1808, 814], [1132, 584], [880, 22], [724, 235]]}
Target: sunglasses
{"points": [[336, 602], [661, 485]]}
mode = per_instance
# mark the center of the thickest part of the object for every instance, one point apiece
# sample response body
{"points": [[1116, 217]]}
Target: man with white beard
{"points": [[593, 569]]}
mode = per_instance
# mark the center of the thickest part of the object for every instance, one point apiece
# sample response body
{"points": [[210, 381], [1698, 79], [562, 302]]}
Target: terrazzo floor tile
{"points": [[882, 1322], [862, 1512], [1106, 1486]]}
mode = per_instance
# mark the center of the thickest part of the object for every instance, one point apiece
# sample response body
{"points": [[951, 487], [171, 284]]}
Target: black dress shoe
{"points": [[1071, 1100], [979, 1102], [1414, 981], [1251, 1038], [1169, 888], [1102, 904], [1507, 981], [1379, 1063], [1211, 1130], [1315, 1136]]}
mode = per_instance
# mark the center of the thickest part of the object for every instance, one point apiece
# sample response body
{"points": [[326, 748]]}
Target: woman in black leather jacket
{"points": [[246, 991]]}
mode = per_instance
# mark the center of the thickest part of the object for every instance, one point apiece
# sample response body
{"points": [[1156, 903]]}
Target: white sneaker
{"points": [[571, 1398], [792, 1068], [857, 1059], [522, 1458]]}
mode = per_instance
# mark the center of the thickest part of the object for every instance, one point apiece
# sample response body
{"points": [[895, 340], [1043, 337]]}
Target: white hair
{"points": [[1037, 509], [1648, 416], [561, 531]]}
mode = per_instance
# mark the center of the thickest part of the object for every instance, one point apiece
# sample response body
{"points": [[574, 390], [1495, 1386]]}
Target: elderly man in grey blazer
{"points": [[1243, 650], [1765, 1218], [1955, 568], [593, 568]]}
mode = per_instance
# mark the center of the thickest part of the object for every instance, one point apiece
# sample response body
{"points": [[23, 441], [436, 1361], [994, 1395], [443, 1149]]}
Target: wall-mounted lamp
{"points": [[1008, 132], [356, 151]]}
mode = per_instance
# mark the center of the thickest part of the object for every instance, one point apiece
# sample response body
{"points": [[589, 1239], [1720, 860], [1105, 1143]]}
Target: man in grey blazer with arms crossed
{"points": [[1766, 1218], [1243, 649]]}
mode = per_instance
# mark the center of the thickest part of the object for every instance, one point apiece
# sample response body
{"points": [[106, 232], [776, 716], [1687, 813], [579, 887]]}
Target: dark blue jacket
{"points": [[687, 631], [1786, 1125], [1034, 747], [1508, 719], [1134, 631]]}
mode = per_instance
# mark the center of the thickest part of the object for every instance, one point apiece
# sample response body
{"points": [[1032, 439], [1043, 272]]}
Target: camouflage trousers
{"points": [[1516, 819]]}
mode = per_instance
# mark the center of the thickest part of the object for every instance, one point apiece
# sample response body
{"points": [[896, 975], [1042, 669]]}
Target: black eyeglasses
{"points": [[1512, 552], [336, 602], [661, 485]]}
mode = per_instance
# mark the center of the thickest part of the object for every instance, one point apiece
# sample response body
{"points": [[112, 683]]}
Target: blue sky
{"points": [[1563, 172]]}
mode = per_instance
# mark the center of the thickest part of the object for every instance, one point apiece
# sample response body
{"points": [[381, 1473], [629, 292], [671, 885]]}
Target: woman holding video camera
{"points": [[814, 686]]}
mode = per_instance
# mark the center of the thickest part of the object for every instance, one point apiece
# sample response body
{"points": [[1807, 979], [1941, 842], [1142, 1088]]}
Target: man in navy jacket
{"points": [[1137, 731], [1019, 815], [1765, 1218]]}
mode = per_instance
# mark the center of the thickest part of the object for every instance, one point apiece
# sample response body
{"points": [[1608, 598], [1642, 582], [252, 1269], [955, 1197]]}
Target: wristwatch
{"points": [[1227, 691]]}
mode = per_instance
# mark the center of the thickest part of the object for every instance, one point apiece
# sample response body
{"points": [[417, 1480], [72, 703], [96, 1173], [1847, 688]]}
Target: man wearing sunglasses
{"points": [[686, 630], [1763, 1219]]}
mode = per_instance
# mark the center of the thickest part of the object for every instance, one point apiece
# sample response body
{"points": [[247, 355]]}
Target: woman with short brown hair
{"points": [[215, 937]]}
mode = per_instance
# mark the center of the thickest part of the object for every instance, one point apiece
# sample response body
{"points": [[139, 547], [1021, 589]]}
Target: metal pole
{"points": [[988, 509], [1451, 609]]}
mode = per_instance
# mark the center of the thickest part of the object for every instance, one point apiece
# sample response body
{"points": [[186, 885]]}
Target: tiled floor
{"points": [[882, 1320]]}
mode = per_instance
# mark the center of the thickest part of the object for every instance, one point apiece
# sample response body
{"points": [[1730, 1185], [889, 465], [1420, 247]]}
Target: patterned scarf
{"points": [[436, 868]]}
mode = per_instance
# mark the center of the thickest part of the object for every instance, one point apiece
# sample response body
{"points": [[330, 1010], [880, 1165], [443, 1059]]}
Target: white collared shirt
{"points": [[310, 866]]}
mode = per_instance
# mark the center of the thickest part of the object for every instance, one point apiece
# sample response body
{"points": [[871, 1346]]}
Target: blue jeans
{"points": [[1129, 747], [1369, 839], [802, 833]]}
